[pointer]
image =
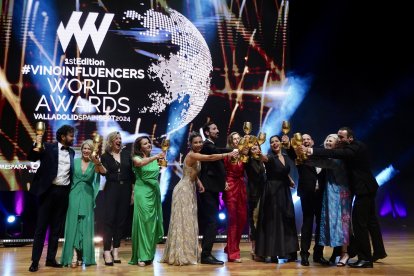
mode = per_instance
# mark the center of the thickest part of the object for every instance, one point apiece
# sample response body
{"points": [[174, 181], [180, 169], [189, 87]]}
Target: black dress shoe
{"points": [[304, 260], [217, 260], [377, 257], [53, 263], [107, 263], [321, 260], [332, 259], [115, 261], [361, 264], [211, 260], [34, 267]]}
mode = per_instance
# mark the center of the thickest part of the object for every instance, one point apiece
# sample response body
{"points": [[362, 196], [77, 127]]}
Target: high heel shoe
{"points": [[79, 258], [141, 264], [115, 261], [343, 261], [74, 263], [107, 263]]}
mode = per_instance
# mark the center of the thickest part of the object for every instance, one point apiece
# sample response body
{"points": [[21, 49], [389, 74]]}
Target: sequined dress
{"points": [[181, 247]]}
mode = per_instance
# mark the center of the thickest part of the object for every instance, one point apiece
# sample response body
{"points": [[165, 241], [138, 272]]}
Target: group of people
{"points": [[258, 191], [66, 188], [348, 176]]}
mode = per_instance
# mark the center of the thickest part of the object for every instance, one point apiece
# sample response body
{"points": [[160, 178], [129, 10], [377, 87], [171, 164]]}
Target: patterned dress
{"points": [[336, 203], [181, 247]]}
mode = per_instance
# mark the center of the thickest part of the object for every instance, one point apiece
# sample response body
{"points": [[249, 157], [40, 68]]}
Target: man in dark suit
{"points": [[51, 184], [311, 184], [213, 177], [364, 185]]}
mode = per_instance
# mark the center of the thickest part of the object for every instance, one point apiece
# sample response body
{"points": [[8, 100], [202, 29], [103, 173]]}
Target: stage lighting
{"points": [[14, 226], [11, 219], [97, 239], [14, 230], [386, 175], [222, 216]]}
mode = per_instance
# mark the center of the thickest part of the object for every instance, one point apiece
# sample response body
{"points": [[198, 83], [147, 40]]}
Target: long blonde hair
{"points": [[109, 141]]}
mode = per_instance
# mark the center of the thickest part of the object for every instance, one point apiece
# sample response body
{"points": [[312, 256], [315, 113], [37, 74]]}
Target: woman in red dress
{"points": [[235, 199]]}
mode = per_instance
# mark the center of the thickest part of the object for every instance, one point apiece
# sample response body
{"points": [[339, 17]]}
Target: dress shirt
{"points": [[63, 173]]}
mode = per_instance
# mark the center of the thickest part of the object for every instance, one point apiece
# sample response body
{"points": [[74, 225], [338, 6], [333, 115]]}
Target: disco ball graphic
{"points": [[178, 64]]}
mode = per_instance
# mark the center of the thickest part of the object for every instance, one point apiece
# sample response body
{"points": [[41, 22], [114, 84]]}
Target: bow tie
{"points": [[64, 148]]}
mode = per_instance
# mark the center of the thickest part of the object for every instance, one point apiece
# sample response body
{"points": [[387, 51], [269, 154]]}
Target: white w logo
{"points": [[89, 29]]}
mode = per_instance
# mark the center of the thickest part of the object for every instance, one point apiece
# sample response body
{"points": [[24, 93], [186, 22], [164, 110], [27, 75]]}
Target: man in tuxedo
{"points": [[311, 184], [213, 177], [364, 185], [51, 185]]}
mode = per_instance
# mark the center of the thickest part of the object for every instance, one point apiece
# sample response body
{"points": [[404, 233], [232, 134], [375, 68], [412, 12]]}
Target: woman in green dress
{"points": [[79, 227], [147, 225]]}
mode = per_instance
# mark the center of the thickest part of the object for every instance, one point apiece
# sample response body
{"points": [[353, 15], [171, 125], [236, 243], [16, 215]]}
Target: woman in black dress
{"points": [[255, 171], [276, 229]]}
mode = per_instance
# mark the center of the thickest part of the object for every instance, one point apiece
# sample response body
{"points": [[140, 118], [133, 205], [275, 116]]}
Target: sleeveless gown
{"points": [[181, 247]]}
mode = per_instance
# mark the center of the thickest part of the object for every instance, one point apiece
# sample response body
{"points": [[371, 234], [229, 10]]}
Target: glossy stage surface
{"points": [[399, 246]]}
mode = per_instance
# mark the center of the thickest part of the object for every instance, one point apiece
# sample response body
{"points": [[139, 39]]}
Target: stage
{"points": [[399, 245]]}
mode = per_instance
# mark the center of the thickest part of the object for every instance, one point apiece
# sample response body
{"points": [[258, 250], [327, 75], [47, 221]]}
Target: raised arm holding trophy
{"points": [[40, 129], [165, 144], [97, 145]]}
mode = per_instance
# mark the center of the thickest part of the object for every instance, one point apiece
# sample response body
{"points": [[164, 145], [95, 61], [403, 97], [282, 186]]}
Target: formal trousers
{"points": [[365, 226], [209, 204], [311, 209], [51, 213], [117, 199]]}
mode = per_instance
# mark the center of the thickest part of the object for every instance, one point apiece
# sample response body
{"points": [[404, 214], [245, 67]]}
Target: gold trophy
{"points": [[297, 142], [243, 143], [165, 144], [285, 131], [40, 129], [248, 140], [261, 138], [247, 127], [252, 140], [97, 144]]}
